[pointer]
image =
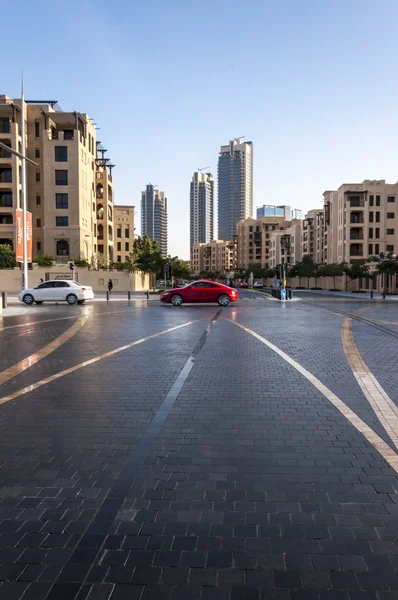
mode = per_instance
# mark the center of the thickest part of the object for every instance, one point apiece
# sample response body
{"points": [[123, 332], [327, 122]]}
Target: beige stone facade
{"points": [[214, 256], [285, 246], [254, 240], [124, 223], [69, 193], [362, 220], [10, 168]]}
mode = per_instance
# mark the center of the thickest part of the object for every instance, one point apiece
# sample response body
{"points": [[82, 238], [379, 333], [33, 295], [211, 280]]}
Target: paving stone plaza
{"points": [[243, 453]]}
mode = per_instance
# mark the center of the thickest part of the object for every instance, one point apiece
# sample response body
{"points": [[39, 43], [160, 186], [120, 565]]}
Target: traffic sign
{"points": [[283, 294]]}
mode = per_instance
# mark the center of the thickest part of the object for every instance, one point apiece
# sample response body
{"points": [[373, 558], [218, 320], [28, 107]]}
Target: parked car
{"points": [[57, 290], [244, 284], [258, 285], [201, 291]]}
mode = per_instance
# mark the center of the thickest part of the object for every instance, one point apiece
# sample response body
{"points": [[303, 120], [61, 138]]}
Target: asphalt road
{"points": [[247, 452]]}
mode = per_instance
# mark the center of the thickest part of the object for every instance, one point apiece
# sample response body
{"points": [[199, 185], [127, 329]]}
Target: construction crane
{"points": [[242, 137], [203, 169]]}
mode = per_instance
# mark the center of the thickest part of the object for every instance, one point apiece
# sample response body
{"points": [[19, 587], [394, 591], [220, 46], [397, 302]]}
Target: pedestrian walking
{"points": [[41, 280], [110, 286]]}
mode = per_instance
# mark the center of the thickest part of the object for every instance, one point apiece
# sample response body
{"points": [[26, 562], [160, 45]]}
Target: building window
{"points": [[377, 248], [37, 176], [61, 177], [377, 217], [61, 201], [61, 153], [390, 198], [119, 259], [126, 233], [250, 228], [37, 129], [5, 199], [390, 231], [61, 221], [37, 153], [38, 200], [390, 215], [119, 233], [370, 232], [390, 247], [370, 249], [126, 246], [370, 217], [119, 246], [38, 246], [371, 200], [68, 134], [377, 233], [38, 222], [377, 200]]}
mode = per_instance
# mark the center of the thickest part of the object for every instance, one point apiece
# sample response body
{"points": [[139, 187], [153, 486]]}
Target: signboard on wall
{"points": [[61, 276], [20, 241]]}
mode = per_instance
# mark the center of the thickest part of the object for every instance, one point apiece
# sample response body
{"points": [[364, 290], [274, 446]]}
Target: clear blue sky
{"points": [[313, 83]]}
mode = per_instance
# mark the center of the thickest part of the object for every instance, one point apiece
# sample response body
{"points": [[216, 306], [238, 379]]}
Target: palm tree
{"points": [[356, 270], [387, 266]]}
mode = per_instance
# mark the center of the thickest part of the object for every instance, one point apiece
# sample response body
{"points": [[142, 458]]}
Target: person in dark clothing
{"points": [[110, 286]]}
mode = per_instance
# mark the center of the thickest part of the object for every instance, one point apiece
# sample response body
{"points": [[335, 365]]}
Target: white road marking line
{"points": [[384, 408], [384, 449]]}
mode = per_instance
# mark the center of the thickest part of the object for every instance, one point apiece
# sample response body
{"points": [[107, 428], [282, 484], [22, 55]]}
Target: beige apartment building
{"points": [[285, 246], [69, 193], [254, 240], [10, 168], [313, 235], [361, 220], [214, 256], [61, 189], [124, 223]]}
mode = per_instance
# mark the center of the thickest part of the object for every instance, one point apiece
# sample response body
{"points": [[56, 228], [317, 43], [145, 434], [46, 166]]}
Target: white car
{"points": [[57, 291]]}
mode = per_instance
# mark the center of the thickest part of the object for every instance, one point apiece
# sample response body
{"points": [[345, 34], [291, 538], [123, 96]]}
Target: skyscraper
{"points": [[154, 217], [201, 208], [235, 186]]}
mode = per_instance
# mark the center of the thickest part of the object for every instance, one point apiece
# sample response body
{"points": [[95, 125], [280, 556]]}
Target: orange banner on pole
{"points": [[20, 236]]}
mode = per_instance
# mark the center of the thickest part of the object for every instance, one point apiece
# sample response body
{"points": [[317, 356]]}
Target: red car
{"points": [[201, 291]]}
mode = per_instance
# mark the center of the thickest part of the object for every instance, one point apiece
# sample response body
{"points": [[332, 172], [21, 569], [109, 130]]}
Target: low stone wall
{"points": [[10, 279]]}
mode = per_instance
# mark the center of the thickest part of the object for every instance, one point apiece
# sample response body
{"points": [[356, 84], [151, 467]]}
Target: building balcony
{"points": [[356, 217], [356, 203], [5, 126], [356, 234], [356, 250]]}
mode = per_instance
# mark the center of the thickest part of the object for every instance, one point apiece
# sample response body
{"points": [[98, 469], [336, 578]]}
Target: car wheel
{"points": [[28, 299], [177, 300], [81, 301], [38, 301], [224, 300], [71, 299]]}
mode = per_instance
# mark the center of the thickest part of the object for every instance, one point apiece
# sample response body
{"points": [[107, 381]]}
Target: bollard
{"points": [[4, 299], [107, 296], [147, 295], [129, 295], [384, 294], [371, 294]]}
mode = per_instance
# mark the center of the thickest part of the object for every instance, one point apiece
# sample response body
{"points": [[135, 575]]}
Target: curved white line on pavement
{"points": [[42, 353], [384, 408], [384, 449], [38, 384]]}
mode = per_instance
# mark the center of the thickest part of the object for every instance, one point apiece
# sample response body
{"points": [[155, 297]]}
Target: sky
{"points": [[313, 83]]}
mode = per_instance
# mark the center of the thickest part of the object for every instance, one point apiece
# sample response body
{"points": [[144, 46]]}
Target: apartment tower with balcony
{"points": [[104, 207], [201, 208], [154, 217], [254, 240], [235, 186], [217, 255]]}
